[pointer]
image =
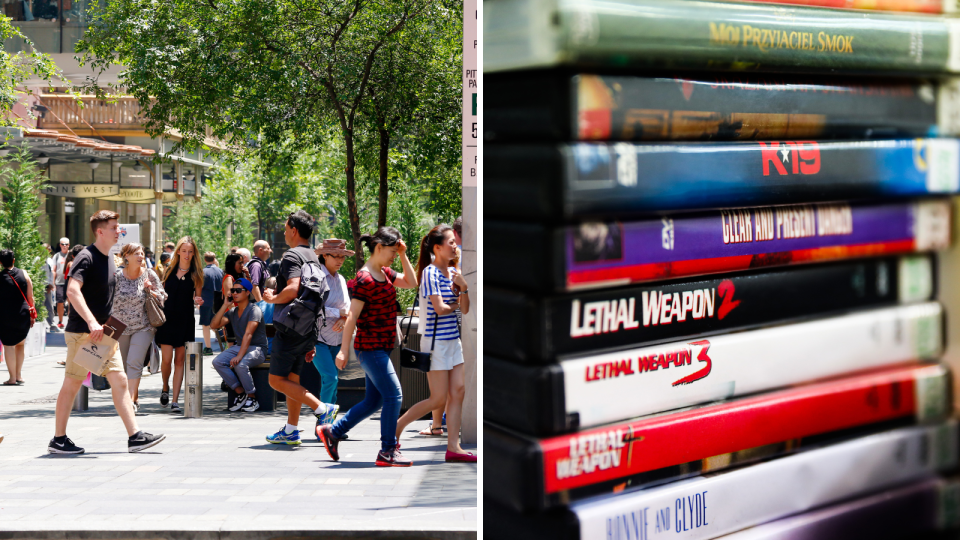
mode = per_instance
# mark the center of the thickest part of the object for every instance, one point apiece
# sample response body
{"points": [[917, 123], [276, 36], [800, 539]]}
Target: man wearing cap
{"points": [[234, 364], [331, 254]]}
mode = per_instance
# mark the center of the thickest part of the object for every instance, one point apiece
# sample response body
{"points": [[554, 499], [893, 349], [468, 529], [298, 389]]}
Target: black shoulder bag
{"points": [[410, 358]]}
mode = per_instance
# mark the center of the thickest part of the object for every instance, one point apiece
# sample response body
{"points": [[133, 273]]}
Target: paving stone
{"points": [[214, 474]]}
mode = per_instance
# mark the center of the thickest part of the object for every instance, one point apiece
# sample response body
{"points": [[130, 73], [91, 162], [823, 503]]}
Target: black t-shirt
{"points": [[96, 273], [293, 260]]}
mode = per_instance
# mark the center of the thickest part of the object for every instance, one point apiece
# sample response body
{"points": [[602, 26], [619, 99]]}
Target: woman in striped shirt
{"points": [[442, 335]]}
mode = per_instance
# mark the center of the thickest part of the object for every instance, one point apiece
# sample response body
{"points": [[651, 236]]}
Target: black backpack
{"points": [[304, 314]]}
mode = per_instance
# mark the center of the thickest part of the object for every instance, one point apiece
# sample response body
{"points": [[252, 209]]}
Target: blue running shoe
{"points": [[282, 437], [329, 414]]}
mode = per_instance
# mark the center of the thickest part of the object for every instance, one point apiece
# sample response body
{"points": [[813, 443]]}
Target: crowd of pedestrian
{"points": [[122, 308]]}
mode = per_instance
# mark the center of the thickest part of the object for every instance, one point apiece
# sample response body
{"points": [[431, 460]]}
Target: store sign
{"points": [[81, 191], [131, 195], [128, 234], [471, 87]]}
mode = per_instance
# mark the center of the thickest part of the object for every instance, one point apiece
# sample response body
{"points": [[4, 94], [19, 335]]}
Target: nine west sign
{"points": [[81, 191]]}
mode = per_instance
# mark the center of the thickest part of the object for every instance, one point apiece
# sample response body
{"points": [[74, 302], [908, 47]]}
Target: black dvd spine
{"points": [[534, 330], [526, 251], [514, 464], [523, 181], [528, 107], [528, 399], [599, 180], [553, 106]]}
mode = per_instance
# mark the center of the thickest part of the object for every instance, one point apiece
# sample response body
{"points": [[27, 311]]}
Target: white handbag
{"points": [[153, 364]]}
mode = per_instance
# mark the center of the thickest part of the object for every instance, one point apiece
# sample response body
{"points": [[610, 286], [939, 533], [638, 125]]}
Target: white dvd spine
{"points": [[714, 505], [614, 386]]}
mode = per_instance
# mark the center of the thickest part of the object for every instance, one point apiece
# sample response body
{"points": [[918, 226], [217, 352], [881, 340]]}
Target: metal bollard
{"points": [[81, 402], [193, 380]]}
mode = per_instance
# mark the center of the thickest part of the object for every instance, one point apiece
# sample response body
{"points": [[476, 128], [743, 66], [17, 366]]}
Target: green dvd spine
{"points": [[692, 34]]}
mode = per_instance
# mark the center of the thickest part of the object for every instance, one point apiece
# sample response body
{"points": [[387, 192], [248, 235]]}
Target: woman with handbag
{"points": [[131, 305], [444, 291], [17, 313], [183, 281]]}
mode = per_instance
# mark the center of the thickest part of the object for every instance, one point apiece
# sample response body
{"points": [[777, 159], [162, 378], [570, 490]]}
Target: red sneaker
{"points": [[469, 457], [325, 432], [392, 458]]}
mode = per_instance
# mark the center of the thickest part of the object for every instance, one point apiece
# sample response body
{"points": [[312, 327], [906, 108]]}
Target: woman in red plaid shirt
{"points": [[373, 312]]}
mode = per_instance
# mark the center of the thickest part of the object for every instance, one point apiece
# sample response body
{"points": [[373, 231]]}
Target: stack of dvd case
{"points": [[713, 310]]}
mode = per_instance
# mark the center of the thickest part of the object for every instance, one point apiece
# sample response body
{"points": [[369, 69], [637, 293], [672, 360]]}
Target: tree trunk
{"points": [[352, 199], [384, 154]]}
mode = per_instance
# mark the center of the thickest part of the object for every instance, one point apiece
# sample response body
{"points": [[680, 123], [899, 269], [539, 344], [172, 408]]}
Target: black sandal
{"points": [[433, 432]]}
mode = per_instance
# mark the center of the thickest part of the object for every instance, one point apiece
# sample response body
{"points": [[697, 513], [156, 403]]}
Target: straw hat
{"points": [[334, 246]]}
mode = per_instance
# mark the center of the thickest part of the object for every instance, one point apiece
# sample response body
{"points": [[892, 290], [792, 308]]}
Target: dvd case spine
{"points": [[522, 34], [545, 107], [618, 455], [710, 506], [716, 504], [607, 254], [599, 180], [906, 512], [537, 330], [607, 387]]}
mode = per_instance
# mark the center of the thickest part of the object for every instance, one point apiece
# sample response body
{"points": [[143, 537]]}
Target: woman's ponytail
{"points": [[423, 261], [433, 238]]}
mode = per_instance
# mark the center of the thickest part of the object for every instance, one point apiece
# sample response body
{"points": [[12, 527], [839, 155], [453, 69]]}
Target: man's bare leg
{"points": [[122, 401], [68, 393], [296, 395]]}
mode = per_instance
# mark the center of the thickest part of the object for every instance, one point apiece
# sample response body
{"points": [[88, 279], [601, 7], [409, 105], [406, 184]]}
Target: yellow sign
{"points": [[139, 195], [81, 191]]}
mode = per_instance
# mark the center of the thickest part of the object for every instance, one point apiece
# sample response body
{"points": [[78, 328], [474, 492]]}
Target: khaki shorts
{"points": [[76, 371]]}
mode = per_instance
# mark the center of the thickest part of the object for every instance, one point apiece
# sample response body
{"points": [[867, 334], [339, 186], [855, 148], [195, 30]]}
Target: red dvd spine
{"points": [[623, 449], [915, 6]]}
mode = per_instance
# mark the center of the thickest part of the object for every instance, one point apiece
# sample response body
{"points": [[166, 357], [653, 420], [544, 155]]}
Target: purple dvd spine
{"points": [[614, 253]]}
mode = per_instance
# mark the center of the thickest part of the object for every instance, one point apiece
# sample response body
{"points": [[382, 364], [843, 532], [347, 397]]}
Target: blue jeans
{"points": [[239, 375], [324, 361], [382, 389]]}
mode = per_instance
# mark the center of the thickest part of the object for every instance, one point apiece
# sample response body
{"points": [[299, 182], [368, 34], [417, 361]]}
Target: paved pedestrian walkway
{"points": [[216, 476]]}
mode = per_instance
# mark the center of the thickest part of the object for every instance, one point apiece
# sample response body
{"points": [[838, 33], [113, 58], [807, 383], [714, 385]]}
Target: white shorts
{"points": [[446, 354]]}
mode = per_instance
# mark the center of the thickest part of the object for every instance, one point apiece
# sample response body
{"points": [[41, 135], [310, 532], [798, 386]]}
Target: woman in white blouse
{"points": [[332, 253], [134, 282]]}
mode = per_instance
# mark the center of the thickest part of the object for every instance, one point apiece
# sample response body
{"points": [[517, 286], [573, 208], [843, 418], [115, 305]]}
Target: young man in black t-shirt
{"points": [[290, 350], [90, 291]]}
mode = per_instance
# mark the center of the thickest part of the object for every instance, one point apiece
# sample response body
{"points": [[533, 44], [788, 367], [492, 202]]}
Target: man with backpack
{"points": [[298, 313]]}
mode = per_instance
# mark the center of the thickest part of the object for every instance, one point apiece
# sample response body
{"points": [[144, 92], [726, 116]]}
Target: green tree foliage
{"points": [[17, 68], [18, 220], [277, 74]]}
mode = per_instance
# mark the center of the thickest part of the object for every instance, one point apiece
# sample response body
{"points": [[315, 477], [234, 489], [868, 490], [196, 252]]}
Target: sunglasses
{"points": [[238, 290]]}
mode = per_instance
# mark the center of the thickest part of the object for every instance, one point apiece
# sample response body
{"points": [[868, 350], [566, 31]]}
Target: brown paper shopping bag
{"points": [[92, 356]]}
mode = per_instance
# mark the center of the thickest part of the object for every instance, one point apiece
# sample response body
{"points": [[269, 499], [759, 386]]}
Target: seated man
{"points": [[250, 351]]}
